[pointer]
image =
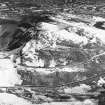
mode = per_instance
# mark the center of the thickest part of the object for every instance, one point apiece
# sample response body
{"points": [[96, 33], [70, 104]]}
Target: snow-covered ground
{"points": [[78, 89], [9, 99], [9, 76]]}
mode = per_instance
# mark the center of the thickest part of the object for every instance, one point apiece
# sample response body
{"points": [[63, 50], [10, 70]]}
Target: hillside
{"points": [[62, 56]]}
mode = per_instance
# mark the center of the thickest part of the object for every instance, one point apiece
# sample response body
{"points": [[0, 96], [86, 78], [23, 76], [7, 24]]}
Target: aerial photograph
{"points": [[52, 52]]}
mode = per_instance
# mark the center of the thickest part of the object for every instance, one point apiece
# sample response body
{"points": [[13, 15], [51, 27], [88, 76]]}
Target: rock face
{"points": [[13, 36]]}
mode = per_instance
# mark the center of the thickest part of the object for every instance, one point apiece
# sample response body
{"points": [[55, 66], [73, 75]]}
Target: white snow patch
{"points": [[54, 33], [78, 89], [52, 69], [88, 102], [52, 63], [96, 18], [35, 63], [48, 26], [65, 35], [8, 74], [10, 99], [95, 32], [101, 81], [44, 71]]}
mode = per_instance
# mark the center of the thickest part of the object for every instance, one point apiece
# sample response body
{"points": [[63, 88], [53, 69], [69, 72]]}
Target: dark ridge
{"points": [[100, 25], [38, 17], [19, 39], [7, 21], [25, 25]]}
